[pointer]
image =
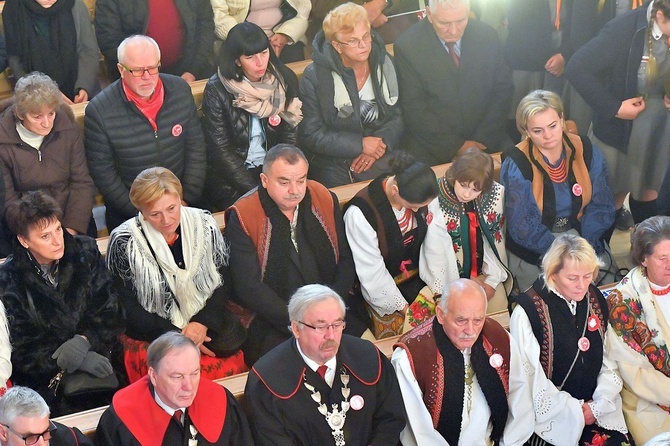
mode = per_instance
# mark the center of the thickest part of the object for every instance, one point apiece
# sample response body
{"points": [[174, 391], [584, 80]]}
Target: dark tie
{"points": [[322, 371], [177, 416], [452, 52]]}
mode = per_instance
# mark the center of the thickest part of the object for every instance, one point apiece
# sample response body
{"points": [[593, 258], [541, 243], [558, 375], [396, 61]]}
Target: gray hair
{"points": [[164, 344], [35, 91], [662, 439], [135, 39], [308, 295], [288, 152], [21, 402], [647, 235], [459, 285], [432, 4]]}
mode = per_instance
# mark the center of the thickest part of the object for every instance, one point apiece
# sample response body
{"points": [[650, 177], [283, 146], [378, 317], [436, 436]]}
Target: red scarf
{"points": [[148, 107]]}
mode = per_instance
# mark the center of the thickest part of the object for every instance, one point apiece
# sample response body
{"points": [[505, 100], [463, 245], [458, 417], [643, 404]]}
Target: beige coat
{"points": [[228, 13]]}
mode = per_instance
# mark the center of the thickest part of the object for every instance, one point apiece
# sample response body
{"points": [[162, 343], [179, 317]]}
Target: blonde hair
{"points": [[343, 19], [536, 102], [568, 247], [153, 183]]}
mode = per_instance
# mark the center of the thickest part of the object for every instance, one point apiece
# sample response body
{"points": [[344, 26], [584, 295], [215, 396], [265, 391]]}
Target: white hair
{"points": [[308, 295], [136, 39], [21, 402], [432, 4]]}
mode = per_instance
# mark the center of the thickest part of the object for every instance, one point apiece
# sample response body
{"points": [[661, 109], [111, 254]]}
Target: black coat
{"points": [[85, 302], [604, 73], [444, 105], [332, 141], [117, 19], [529, 41], [120, 143], [227, 132]]}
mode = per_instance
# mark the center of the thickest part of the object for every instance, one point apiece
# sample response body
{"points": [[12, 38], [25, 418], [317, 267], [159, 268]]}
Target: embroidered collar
{"points": [[572, 304]]}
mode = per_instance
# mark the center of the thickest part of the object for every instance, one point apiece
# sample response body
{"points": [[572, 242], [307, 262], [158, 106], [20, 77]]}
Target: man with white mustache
{"points": [[461, 376], [285, 234], [323, 387]]}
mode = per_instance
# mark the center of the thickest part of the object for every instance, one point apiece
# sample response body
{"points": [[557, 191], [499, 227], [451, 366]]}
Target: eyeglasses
{"points": [[356, 43], [139, 72], [34, 438], [323, 328]]}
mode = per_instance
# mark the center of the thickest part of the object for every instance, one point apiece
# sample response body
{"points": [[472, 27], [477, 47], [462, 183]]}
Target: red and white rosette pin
{"points": [[357, 402], [583, 344], [593, 323], [176, 130], [429, 218], [577, 190], [496, 360], [274, 120]]}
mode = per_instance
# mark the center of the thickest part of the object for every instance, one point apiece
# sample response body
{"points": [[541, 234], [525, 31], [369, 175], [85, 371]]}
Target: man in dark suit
{"points": [[455, 89]]}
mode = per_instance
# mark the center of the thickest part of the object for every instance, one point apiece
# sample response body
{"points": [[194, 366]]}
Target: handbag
{"points": [[80, 383]]}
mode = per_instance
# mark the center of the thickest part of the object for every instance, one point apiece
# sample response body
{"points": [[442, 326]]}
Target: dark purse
{"points": [[81, 383]]}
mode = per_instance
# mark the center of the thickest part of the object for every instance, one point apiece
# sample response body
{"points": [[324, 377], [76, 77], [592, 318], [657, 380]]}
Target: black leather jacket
{"points": [[227, 137]]}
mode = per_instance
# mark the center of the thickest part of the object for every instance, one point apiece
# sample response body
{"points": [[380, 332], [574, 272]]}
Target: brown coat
{"points": [[58, 168]]}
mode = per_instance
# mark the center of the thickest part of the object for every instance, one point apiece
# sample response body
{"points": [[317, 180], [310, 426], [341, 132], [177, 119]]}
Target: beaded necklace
{"points": [[559, 173]]}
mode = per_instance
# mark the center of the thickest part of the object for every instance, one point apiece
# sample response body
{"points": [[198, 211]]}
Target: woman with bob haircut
{"points": [[172, 262], [556, 182], [640, 321], [472, 205], [41, 148], [62, 307], [562, 323], [249, 106], [401, 248], [349, 95]]}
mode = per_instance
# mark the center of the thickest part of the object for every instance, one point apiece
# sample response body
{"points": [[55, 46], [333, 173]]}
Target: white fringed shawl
{"points": [[204, 252]]}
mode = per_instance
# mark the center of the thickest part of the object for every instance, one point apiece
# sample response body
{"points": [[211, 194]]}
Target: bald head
{"points": [[462, 311]]}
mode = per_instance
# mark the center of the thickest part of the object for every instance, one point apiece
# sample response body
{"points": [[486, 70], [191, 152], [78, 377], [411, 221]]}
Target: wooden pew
{"points": [[87, 421]]}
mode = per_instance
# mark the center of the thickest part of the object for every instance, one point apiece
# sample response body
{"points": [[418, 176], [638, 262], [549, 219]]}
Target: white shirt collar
{"points": [[165, 407], [330, 364], [656, 32]]}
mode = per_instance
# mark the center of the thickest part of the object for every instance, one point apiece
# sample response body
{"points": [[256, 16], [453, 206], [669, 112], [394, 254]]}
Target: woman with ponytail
{"points": [[401, 248], [622, 74]]}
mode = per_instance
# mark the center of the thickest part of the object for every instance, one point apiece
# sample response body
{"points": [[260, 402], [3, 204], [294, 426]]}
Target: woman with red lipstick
{"points": [[349, 97], [62, 308], [555, 182], [561, 322], [172, 262], [472, 205], [249, 106]]}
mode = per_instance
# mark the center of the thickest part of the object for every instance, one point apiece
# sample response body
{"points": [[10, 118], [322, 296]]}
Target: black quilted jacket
{"points": [[120, 143], [227, 136]]}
